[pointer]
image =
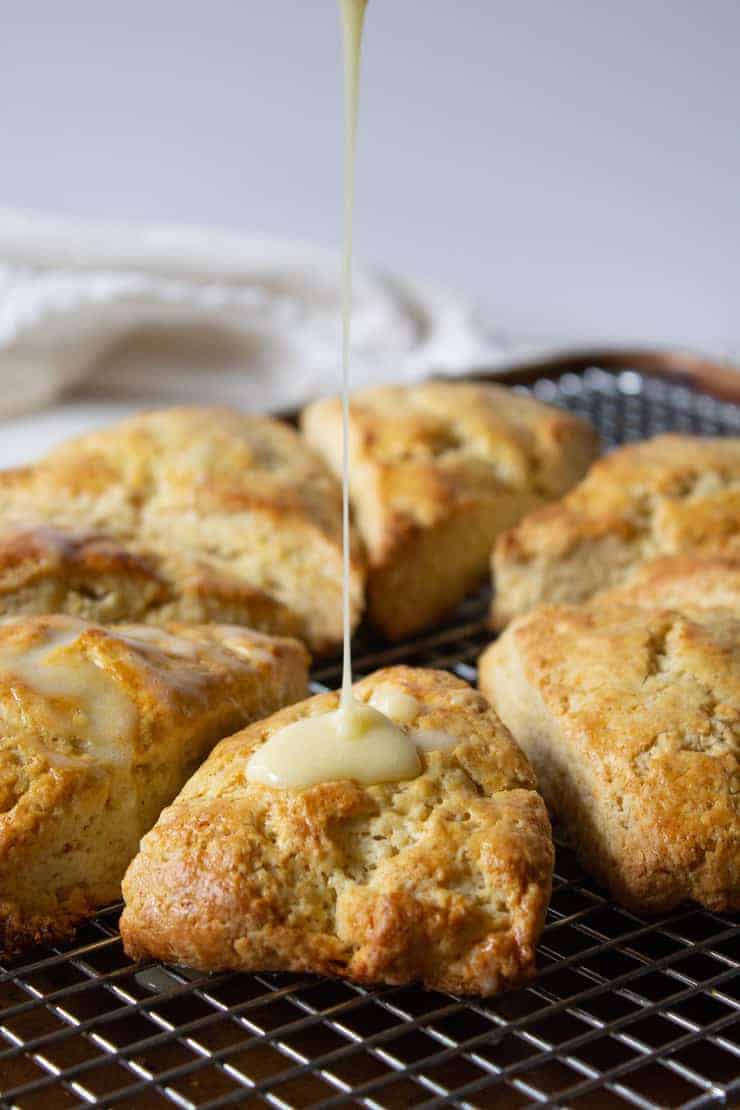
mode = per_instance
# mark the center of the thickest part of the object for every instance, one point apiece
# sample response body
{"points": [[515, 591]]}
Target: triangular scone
{"points": [[670, 495], [99, 729], [184, 514], [437, 472], [444, 878], [630, 713]]}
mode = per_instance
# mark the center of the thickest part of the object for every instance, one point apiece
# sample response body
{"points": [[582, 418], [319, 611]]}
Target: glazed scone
{"points": [[671, 495], [437, 472], [99, 729], [630, 715], [185, 514], [444, 878]]}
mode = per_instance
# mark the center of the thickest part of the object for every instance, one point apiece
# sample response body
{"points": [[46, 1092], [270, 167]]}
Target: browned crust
{"points": [[21, 931], [672, 495], [184, 514], [71, 815], [438, 470], [681, 582], [630, 714], [444, 879], [45, 569]]}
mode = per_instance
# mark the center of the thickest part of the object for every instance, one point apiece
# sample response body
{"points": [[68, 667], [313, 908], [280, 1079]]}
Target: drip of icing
{"points": [[395, 703], [355, 741], [317, 749], [92, 706], [434, 740], [353, 15]]}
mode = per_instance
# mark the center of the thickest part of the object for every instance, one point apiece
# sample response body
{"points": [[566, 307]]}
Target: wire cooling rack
{"points": [[624, 1011]]}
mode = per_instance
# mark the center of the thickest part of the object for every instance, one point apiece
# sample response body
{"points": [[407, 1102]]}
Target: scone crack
{"points": [[651, 512], [716, 731], [380, 842], [658, 649]]}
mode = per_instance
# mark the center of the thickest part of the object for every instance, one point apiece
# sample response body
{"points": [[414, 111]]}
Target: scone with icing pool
{"points": [[629, 709], [672, 495], [424, 854], [197, 515], [100, 729], [437, 471]]}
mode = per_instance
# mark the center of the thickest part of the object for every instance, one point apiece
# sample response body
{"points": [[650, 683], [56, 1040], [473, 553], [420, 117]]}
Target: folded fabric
{"points": [[162, 314]]}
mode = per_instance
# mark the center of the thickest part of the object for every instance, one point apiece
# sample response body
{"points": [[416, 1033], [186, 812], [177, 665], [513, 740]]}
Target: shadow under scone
{"points": [[443, 878]]}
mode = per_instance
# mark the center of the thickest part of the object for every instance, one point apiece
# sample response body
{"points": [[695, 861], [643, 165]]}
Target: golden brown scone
{"points": [[437, 472], [99, 729], [680, 582], [666, 496], [631, 718], [184, 514], [444, 878]]}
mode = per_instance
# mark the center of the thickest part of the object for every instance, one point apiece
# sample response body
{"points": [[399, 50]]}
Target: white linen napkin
{"points": [[160, 314]]}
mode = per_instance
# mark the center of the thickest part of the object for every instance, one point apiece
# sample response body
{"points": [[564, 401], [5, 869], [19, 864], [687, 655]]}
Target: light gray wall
{"points": [[574, 164]]}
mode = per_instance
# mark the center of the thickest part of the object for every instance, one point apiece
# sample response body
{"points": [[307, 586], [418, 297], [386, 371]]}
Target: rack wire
{"points": [[624, 1011]]}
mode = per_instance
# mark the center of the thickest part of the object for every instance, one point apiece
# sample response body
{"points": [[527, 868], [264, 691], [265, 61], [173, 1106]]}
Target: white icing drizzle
{"points": [[319, 749], [434, 740], [353, 15], [396, 704], [355, 741], [88, 702]]}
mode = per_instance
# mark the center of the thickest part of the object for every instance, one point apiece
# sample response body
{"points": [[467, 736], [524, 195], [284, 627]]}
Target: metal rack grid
{"points": [[623, 1012]]}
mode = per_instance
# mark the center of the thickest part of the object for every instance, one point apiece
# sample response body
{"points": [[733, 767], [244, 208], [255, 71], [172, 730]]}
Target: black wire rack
{"points": [[624, 1011]]}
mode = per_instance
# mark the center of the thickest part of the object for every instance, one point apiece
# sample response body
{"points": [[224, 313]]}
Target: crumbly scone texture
{"points": [[438, 471], [682, 582], [194, 515], [99, 729], [630, 715], [668, 496], [443, 879]]}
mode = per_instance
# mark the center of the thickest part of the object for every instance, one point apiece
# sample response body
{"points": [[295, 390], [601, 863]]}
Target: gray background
{"points": [[574, 165]]}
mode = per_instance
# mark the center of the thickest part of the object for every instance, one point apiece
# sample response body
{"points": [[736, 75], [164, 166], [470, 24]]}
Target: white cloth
{"points": [[165, 314]]}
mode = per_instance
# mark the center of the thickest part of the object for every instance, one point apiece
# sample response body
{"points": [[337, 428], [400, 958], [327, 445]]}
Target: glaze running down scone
{"points": [[184, 514], [629, 709], [671, 495], [444, 878], [99, 729], [437, 471]]}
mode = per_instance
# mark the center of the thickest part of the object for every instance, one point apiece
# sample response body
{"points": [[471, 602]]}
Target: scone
{"points": [[680, 582], [630, 714], [666, 496], [444, 878], [186, 514], [437, 472], [99, 731]]}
